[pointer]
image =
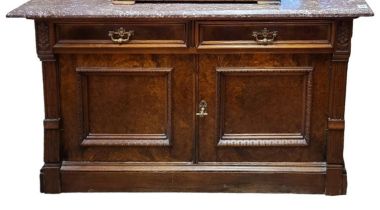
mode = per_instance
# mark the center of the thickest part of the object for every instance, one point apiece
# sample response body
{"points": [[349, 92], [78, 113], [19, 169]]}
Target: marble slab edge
{"points": [[104, 9]]}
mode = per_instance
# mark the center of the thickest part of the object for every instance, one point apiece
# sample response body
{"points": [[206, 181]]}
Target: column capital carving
{"points": [[342, 47], [44, 41]]}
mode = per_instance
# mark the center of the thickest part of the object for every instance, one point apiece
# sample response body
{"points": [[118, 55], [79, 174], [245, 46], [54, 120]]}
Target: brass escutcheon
{"points": [[202, 109]]}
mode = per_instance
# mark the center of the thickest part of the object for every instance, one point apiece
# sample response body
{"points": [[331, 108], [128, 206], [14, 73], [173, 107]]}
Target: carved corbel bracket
{"points": [[44, 40], [342, 48]]}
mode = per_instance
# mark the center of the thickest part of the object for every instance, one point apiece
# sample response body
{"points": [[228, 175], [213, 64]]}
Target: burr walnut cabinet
{"points": [[191, 97]]}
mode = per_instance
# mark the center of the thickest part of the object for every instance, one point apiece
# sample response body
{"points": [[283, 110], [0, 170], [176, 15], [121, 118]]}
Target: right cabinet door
{"points": [[263, 107]]}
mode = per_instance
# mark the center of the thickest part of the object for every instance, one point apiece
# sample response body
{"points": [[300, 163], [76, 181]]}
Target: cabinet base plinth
{"points": [[186, 177]]}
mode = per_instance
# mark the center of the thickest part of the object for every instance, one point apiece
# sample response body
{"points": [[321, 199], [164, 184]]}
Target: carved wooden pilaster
{"points": [[50, 175], [336, 175]]}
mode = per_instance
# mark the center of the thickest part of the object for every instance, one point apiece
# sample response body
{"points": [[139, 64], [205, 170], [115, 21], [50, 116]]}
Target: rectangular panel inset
{"points": [[125, 107], [239, 34], [264, 106], [145, 34]]}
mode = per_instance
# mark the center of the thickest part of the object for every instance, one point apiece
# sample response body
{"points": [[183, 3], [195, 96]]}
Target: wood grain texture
{"points": [[119, 124], [253, 85], [141, 99], [238, 34], [50, 174], [260, 177], [145, 34], [264, 104], [123, 117], [336, 182]]}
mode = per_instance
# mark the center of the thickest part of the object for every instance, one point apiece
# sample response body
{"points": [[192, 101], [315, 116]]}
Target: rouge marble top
{"points": [[105, 9]]}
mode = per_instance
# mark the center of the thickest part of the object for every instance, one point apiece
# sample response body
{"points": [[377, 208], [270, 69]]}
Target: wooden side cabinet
{"points": [[194, 104]]}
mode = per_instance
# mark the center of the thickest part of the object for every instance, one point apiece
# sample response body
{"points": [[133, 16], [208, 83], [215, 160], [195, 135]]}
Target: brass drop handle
{"points": [[120, 35], [202, 109], [264, 37]]}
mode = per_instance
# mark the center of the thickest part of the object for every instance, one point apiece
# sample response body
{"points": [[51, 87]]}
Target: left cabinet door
{"points": [[127, 107]]}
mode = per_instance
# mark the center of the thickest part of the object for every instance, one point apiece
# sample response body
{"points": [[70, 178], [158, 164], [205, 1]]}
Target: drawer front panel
{"points": [[217, 34], [144, 34]]}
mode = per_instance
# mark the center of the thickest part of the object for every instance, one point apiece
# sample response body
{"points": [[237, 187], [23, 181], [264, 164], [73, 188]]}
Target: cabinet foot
{"points": [[336, 180], [50, 178]]}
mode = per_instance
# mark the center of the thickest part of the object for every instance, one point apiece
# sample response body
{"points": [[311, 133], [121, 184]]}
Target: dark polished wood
{"points": [[127, 108], [239, 33], [146, 34], [126, 116]]}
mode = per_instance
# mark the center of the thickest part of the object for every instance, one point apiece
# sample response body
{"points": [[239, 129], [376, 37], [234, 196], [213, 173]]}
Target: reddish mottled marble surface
{"points": [[105, 9]]}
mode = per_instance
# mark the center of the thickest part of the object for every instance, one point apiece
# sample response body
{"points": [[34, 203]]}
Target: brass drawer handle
{"points": [[202, 109], [264, 37], [120, 36]]}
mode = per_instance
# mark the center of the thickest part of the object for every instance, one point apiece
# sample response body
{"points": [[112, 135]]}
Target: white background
{"points": [[21, 135]]}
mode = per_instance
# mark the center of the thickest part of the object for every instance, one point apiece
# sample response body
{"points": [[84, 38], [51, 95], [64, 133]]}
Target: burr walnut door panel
{"points": [[127, 107], [263, 107]]}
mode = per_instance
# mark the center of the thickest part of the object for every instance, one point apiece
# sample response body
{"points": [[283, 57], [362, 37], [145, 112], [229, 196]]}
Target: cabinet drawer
{"points": [[238, 34], [144, 35]]}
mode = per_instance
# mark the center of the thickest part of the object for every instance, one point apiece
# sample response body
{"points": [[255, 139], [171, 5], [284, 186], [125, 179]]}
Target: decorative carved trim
{"points": [[343, 36], [272, 139], [126, 140], [124, 70], [307, 108], [306, 167], [266, 70], [262, 140], [42, 33], [43, 41], [343, 40], [102, 139]]}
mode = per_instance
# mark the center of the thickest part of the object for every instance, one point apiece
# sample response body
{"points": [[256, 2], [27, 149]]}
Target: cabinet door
{"points": [[263, 107], [127, 107]]}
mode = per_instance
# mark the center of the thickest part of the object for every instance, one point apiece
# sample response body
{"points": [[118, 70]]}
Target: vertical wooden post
{"points": [[50, 175], [336, 175]]}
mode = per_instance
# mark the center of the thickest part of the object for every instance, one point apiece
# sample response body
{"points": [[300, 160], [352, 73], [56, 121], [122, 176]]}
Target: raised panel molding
{"points": [[266, 139], [111, 139]]}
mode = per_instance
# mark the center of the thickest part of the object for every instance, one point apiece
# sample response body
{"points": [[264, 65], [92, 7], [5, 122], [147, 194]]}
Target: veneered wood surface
{"points": [[275, 112], [253, 106], [233, 32], [174, 33], [137, 103], [192, 182]]}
